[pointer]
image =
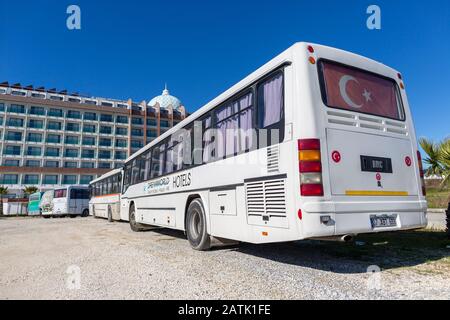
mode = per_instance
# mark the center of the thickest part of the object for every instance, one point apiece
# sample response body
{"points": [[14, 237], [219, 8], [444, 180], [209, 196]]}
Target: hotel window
{"points": [[88, 141], [39, 111], [106, 117], [56, 98], [121, 143], [1, 121], [86, 179], [152, 122], [104, 154], [118, 165], [34, 151], [122, 131], [34, 137], [9, 179], [137, 144], [122, 119], [33, 163], [70, 179], [70, 164], [55, 113], [38, 95], [105, 130], [152, 133], [16, 108], [75, 100], [107, 104], [71, 153], [120, 155], [11, 163], [92, 116], [2, 107], [12, 151], [87, 165], [137, 121], [30, 179], [104, 165], [53, 138], [52, 164], [35, 124], [165, 124], [122, 106], [104, 142], [53, 125], [50, 179], [71, 140], [93, 102], [89, 128], [73, 127], [72, 114], [88, 154], [52, 152], [14, 122], [13, 136], [137, 132]]}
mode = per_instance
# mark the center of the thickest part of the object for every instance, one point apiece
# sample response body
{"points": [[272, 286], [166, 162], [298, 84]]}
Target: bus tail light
{"points": [[310, 167], [422, 174]]}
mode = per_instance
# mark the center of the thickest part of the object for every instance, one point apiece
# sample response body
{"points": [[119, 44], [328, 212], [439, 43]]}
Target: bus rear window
{"points": [[62, 193], [348, 88]]}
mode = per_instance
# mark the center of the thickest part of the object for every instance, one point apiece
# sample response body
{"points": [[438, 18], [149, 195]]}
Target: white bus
{"points": [[326, 149], [105, 196], [69, 201]]}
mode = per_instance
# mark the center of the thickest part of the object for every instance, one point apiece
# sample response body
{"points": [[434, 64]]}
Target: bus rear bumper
{"points": [[340, 218]]}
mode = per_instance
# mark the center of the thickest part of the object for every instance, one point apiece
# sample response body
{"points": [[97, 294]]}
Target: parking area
{"points": [[39, 259]]}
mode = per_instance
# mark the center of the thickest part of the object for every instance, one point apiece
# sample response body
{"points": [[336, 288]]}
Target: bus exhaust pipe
{"points": [[345, 238]]}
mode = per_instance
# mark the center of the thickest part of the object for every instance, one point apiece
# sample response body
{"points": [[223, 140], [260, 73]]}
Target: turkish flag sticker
{"points": [[357, 90]]}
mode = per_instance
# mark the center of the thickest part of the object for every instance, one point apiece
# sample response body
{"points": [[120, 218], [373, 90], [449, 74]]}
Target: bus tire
{"points": [[110, 219], [196, 226], [85, 213], [136, 227]]}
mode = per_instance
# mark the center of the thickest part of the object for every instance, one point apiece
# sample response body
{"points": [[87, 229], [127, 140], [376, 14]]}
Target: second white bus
{"points": [[317, 143], [105, 196]]}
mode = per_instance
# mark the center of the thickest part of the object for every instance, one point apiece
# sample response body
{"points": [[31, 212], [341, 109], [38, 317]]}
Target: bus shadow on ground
{"points": [[390, 250], [384, 250]]}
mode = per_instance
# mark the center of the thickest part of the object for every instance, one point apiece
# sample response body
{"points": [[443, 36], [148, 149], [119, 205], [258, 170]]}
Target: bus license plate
{"points": [[384, 221], [376, 164]]}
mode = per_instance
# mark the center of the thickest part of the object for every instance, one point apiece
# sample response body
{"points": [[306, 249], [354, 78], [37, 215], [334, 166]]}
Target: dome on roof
{"points": [[165, 100]]}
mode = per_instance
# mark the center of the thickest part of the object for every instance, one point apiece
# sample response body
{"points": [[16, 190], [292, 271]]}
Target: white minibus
{"points": [[105, 196], [70, 201], [318, 143]]}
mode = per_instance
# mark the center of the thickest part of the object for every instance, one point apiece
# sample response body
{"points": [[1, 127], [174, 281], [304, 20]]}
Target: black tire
{"points": [[110, 219], [85, 213], [136, 227], [196, 232]]}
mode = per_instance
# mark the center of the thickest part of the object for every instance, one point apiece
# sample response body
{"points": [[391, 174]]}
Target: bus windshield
{"points": [[348, 88]]}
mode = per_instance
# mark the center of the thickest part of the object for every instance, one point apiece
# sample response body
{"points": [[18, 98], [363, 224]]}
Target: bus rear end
{"points": [[361, 172]]}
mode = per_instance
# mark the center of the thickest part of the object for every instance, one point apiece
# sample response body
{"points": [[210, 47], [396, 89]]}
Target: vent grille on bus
{"points": [[273, 156], [367, 122], [266, 198]]}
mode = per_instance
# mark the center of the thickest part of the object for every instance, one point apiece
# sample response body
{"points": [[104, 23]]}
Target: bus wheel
{"points": [[110, 219], [133, 224], [85, 213], [196, 226]]}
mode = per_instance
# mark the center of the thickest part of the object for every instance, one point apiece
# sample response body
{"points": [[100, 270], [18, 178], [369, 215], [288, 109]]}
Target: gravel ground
{"points": [[116, 263]]}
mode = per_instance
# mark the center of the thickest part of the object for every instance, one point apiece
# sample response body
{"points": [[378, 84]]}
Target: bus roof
{"points": [[281, 59], [106, 175]]}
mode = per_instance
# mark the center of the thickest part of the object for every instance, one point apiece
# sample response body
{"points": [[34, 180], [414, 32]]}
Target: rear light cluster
{"points": [[310, 168], [422, 174]]}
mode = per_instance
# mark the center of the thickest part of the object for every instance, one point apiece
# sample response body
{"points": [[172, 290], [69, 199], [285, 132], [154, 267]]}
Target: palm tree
{"points": [[3, 192], [29, 191], [444, 160], [432, 149]]}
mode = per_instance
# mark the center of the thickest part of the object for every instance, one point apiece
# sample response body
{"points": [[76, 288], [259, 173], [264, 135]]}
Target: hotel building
{"points": [[51, 138]]}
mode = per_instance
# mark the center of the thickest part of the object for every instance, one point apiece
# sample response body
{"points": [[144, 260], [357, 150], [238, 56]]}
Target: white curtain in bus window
{"points": [[207, 140], [356, 90], [246, 122], [270, 101]]}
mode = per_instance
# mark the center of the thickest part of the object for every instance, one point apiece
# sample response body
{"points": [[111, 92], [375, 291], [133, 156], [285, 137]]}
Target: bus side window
{"points": [[271, 109], [155, 162]]}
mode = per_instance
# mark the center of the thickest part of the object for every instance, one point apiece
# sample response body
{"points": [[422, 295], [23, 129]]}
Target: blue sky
{"points": [[129, 49]]}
